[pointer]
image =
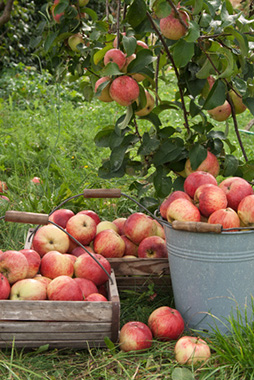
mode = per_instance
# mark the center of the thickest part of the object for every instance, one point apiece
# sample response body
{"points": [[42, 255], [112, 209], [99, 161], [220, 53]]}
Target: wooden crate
{"points": [[133, 274], [60, 324]]}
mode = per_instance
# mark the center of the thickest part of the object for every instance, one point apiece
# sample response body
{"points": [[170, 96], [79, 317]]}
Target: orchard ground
{"points": [[47, 131]]}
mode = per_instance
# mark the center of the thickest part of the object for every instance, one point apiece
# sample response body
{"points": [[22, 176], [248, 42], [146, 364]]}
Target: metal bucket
{"points": [[212, 276]]}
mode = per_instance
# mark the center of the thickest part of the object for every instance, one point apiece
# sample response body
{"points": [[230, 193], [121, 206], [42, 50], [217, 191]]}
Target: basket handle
{"points": [[102, 193], [196, 226], [26, 217]]}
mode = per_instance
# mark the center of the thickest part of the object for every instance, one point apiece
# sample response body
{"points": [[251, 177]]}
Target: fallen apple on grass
{"points": [[135, 336], [3, 186], [166, 323], [191, 350]]}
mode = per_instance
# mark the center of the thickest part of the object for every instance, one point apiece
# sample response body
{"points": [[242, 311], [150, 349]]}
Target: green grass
{"points": [[47, 130]]}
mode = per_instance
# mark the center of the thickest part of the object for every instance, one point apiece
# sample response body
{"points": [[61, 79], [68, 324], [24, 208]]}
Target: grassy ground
{"points": [[47, 131]]}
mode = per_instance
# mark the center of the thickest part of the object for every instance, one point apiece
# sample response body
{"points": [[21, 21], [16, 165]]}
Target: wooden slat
{"points": [[71, 344], [139, 267], [37, 337]]}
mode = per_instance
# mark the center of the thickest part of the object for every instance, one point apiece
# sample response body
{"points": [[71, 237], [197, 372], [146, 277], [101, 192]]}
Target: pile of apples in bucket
{"points": [[229, 203]]}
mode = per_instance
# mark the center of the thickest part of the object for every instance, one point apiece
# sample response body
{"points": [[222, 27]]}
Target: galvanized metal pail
{"points": [[212, 275]]}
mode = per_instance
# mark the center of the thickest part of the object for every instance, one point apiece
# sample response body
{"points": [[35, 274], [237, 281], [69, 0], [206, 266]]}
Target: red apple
{"points": [[56, 16], [96, 297], [152, 247], [210, 165], [109, 243], [142, 44], [78, 251], [44, 280], [160, 230], [196, 179], [50, 238], [92, 214], [28, 289], [183, 210], [82, 227], [131, 249], [86, 267], [166, 323], [236, 189], [119, 222], [135, 336], [71, 257], [61, 216], [36, 180], [116, 56], [124, 90], [13, 265], [174, 195], [106, 225], [172, 28], [64, 288], [87, 286], [3, 186], [191, 350], [104, 95], [5, 287], [4, 199], [227, 217], [209, 198], [139, 226], [246, 210], [34, 260], [54, 264], [221, 113]]}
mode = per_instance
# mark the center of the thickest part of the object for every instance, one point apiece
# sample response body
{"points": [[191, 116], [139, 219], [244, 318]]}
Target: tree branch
{"points": [[6, 15]]}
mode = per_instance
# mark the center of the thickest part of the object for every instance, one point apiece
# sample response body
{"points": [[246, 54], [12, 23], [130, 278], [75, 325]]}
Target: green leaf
{"points": [[249, 102], [91, 13], [194, 108], [167, 152], [162, 183], [98, 56], [241, 40], [161, 8], [136, 13], [111, 69], [229, 64], [105, 171], [183, 52], [198, 6], [182, 374], [205, 70], [144, 58], [150, 203], [230, 165], [110, 345], [153, 118], [129, 44], [216, 96], [102, 139], [149, 145], [248, 170], [61, 7], [197, 154], [127, 118], [193, 32], [178, 184], [50, 40]]}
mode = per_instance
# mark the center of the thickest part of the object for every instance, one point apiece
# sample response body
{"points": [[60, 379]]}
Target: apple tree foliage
{"points": [[219, 41]]}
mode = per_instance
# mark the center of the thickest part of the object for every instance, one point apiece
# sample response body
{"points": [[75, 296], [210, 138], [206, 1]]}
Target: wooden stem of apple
{"points": [[186, 122]]}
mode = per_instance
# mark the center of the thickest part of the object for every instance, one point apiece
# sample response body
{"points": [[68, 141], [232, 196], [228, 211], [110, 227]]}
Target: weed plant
{"points": [[47, 130]]}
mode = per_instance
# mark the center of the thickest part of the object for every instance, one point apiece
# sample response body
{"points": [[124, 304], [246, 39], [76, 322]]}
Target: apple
{"points": [[124, 90], [152, 247], [166, 323], [72, 245], [137, 76], [171, 26], [74, 41], [191, 350], [4, 199], [83, 3], [210, 165], [196, 179], [50, 238], [119, 222], [236, 189], [87, 286], [56, 16], [131, 249], [139, 226], [5, 287], [109, 243], [64, 288], [3, 186], [86, 267], [36, 180], [13, 265], [183, 210], [78, 251], [54, 264], [104, 95], [106, 225], [148, 107], [28, 289], [61, 216], [116, 56], [160, 230], [44, 280], [115, 40], [96, 297], [237, 102], [209, 198], [221, 113], [72, 257], [82, 227], [135, 336], [34, 261], [227, 217], [174, 195], [92, 214], [142, 44], [246, 210]]}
